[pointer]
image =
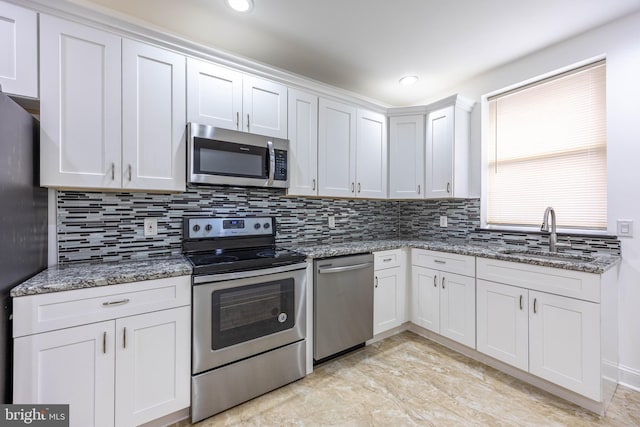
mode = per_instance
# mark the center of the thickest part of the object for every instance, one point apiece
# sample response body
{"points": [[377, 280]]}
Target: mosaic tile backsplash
{"points": [[109, 226]]}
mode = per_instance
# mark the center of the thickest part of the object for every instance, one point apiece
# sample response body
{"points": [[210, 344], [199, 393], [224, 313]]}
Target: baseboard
{"points": [[391, 332], [629, 377]]}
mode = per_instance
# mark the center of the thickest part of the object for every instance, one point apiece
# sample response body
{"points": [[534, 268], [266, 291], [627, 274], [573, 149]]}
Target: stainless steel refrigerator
{"points": [[23, 218]]}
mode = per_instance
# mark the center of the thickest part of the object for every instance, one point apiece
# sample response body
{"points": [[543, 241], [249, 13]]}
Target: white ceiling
{"points": [[365, 46]]}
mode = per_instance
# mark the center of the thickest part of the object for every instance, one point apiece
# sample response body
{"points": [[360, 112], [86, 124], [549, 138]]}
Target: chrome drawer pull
{"points": [[439, 261], [112, 303], [387, 259]]}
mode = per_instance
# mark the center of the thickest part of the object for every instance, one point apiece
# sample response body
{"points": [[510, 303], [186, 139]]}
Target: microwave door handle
{"points": [[272, 162]]}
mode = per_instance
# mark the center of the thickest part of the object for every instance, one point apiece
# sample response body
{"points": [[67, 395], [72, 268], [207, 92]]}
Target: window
{"points": [[547, 147]]}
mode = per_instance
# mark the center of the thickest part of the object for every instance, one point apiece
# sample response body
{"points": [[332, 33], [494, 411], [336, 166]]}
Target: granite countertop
{"points": [[66, 277], [595, 263]]}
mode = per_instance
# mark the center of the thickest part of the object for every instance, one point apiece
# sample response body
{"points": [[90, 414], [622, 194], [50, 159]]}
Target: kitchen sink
{"points": [[552, 256]]}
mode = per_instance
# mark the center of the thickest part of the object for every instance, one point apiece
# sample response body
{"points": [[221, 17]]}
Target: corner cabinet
{"points": [[559, 325], [390, 293], [352, 151], [18, 50], [303, 143], [112, 111], [443, 294], [222, 97], [118, 355], [447, 149], [406, 157]]}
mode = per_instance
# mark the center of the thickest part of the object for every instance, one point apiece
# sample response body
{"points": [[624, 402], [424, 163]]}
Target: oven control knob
{"points": [[282, 317], [256, 225], [196, 228], [266, 225], [208, 227]]}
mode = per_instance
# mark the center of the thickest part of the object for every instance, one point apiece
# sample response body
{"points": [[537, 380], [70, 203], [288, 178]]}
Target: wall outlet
{"points": [[625, 228], [443, 221], [332, 222], [150, 227]]}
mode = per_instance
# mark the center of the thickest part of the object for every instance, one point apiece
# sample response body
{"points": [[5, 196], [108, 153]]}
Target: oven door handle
{"points": [[272, 162], [209, 278], [323, 270]]}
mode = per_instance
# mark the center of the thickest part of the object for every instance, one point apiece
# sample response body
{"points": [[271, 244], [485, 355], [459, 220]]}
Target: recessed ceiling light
{"points": [[408, 80], [240, 5]]}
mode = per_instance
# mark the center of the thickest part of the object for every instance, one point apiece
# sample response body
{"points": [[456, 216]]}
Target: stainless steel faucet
{"points": [[553, 237]]}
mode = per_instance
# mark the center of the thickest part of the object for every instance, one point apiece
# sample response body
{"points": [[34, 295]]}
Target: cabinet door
{"points": [[389, 299], [80, 106], [371, 155], [72, 366], [406, 157], [214, 95], [458, 308], [153, 127], [564, 342], [264, 107], [18, 50], [303, 143], [503, 323], [425, 298], [153, 365], [336, 149], [439, 153]]}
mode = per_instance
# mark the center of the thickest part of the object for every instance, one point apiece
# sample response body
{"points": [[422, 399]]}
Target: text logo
{"points": [[34, 415]]}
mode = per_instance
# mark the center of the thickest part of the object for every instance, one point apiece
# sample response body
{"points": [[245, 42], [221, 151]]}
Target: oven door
{"points": [[239, 318]]}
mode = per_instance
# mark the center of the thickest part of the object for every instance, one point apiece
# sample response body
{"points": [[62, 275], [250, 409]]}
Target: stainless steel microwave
{"points": [[229, 157]]}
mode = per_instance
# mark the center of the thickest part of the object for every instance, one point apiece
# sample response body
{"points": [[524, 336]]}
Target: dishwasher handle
{"points": [[328, 270]]}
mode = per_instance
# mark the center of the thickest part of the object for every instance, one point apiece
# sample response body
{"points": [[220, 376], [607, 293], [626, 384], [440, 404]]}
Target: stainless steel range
{"points": [[249, 312]]}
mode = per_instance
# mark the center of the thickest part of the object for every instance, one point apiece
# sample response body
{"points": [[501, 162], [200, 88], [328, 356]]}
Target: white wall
{"points": [[620, 42]]}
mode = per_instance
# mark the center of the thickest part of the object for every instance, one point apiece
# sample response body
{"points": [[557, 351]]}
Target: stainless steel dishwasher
{"points": [[342, 304]]}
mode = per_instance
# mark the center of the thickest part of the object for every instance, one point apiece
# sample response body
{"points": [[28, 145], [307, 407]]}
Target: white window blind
{"points": [[547, 147]]}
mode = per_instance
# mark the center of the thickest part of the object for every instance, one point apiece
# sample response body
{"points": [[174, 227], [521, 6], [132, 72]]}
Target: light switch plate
{"points": [[625, 228], [150, 227], [443, 221]]}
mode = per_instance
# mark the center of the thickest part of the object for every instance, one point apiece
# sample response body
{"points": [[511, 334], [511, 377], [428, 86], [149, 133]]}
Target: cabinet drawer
{"points": [[574, 284], [444, 261], [387, 259], [46, 312]]}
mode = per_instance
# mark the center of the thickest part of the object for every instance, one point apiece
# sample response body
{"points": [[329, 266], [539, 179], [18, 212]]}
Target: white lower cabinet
{"points": [[389, 297], [443, 300], [119, 369], [552, 336]]}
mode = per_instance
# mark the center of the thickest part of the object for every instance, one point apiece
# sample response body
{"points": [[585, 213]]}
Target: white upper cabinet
{"points": [[336, 149], [153, 111], [406, 157], [371, 155], [221, 97], [93, 136], [80, 106], [18, 50], [447, 150], [303, 140], [352, 151]]}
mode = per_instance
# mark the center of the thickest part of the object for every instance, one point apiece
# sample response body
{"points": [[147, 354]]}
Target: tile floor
{"points": [[407, 380]]}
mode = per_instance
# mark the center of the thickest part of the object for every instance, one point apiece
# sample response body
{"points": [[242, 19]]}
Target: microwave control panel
{"points": [[280, 174]]}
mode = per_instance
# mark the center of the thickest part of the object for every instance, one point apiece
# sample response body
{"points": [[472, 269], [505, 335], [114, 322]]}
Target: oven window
{"points": [[228, 159], [249, 312]]}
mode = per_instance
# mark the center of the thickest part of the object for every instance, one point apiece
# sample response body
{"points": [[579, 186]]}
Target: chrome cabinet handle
{"points": [[448, 187], [118, 302], [248, 125], [442, 282], [313, 185], [124, 338], [113, 171], [129, 173], [237, 120], [376, 281], [418, 188], [435, 281], [359, 187], [353, 187], [439, 261], [521, 301], [272, 161], [535, 305], [104, 343]]}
